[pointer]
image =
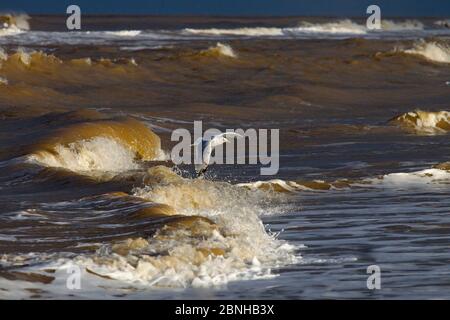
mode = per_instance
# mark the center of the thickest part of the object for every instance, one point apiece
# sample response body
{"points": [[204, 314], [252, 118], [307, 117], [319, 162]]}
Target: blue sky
{"points": [[235, 7]]}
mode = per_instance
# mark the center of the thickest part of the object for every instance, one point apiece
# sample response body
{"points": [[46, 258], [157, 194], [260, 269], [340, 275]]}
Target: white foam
{"points": [[425, 122], [349, 27], [18, 24], [430, 119], [98, 154], [412, 179], [124, 33], [340, 27], [290, 186], [254, 32], [24, 56], [3, 55], [10, 31], [172, 258], [432, 51], [435, 177], [224, 50], [443, 23], [3, 81], [21, 21]]}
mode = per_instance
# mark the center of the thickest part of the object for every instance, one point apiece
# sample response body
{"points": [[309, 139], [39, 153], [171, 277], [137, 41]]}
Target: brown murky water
{"points": [[86, 180]]}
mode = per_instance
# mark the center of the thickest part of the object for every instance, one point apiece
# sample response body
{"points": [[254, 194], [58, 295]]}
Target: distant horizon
{"points": [[214, 16], [236, 8]]}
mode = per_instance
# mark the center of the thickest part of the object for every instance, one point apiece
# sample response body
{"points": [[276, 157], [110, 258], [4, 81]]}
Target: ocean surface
{"points": [[87, 184]]}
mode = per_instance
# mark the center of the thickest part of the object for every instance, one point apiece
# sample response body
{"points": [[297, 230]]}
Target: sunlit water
{"points": [[77, 180]]}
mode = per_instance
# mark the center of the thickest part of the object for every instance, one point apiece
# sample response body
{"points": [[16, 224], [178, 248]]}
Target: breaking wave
{"points": [[27, 58], [413, 179], [344, 27], [213, 232], [124, 33], [21, 67], [96, 154], [11, 24], [215, 236], [432, 51], [219, 50], [107, 146], [443, 23], [349, 27], [424, 122], [40, 59], [436, 175], [278, 185], [258, 31]]}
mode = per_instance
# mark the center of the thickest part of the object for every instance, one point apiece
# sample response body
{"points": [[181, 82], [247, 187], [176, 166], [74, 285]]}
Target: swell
{"points": [[220, 237], [432, 51], [104, 145], [344, 27], [436, 176], [424, 122], [219, 50], [180, 232], [172, 232], [41, 60], [436, 51], [11, 24], [25, 66], [84, 142]]}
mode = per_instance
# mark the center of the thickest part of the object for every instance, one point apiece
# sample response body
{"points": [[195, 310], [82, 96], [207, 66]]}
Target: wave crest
{"points": [[424, 122], [339, 27], [342, 26], [283, 186], [124, 33], [219, 50], [213, 235], [96, 154], [11, 24], [106, 145], [40, 59], [255, 32], [443, 23], [432, 51]]}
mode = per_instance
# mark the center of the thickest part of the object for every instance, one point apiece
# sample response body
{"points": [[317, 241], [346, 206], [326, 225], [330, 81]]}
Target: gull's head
{"points": [[225, 140], [220, 140]]}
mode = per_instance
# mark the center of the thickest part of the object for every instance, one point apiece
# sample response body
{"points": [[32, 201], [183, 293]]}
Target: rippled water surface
{"points": [[87, 184]]}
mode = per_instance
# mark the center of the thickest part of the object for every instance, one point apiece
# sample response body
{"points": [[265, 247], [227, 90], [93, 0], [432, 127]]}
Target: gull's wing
{"points": [[229, 135], [216, 141], [232, 134]]}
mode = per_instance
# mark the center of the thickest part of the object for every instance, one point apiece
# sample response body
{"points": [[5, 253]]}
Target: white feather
{"points": [[205, 147]]}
